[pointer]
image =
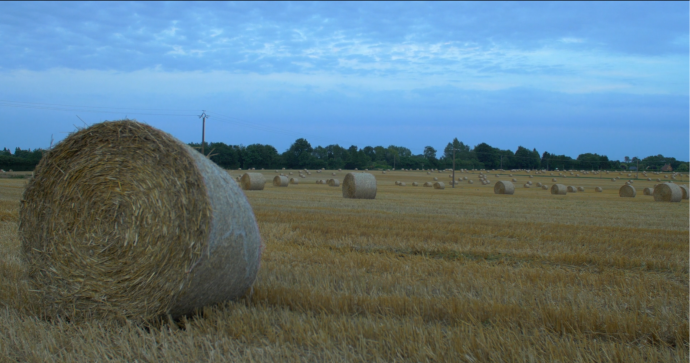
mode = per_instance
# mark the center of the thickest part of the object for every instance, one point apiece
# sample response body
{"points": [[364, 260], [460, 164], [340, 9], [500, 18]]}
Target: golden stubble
{"points": [[416, 274]]}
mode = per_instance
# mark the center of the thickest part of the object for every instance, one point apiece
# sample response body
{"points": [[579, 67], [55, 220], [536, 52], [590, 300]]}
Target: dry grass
{"points": [[416, 274]]}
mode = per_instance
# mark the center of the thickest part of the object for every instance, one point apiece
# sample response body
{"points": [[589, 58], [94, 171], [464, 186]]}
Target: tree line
{"points": [[301, 154]]}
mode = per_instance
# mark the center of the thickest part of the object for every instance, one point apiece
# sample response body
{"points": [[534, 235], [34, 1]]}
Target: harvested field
{"points": [[416, 274]]}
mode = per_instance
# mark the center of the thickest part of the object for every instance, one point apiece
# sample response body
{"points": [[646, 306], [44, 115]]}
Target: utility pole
{"points": [[203, 118], [452, 182]]}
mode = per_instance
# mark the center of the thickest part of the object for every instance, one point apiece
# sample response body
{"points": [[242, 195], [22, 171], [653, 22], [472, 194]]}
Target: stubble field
{"points": [[418, 274]]}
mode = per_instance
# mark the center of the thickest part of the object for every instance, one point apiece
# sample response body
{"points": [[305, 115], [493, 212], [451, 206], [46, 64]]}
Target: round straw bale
{"points": [[470, 181], [510, 175], [439, 185], [627, 191], [648, 191], [572, 189], [514, 180], [666, 192], [414, 184], [333, 174], [504, 187], [649, 179], [359, 186], [435, 179], [553, 180], [599, 189], [123, 220], [559, 189], [613, 179], [580, 189], [684, 189], [294, 180], [527, 185], [539, 185], [252, 181], [402, 184], [545, 187], [428, 184], [281, 181], [333, 182]]}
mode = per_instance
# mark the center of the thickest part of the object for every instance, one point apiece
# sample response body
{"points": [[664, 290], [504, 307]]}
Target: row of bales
{"points": [[162, 230], [355, 185], [664, 192]]}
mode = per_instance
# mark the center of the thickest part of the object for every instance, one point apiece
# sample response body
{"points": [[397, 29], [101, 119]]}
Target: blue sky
{"points": [[567, 78]]}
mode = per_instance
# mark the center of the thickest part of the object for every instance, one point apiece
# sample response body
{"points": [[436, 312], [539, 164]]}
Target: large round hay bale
{"points": [[333, 182], [685, 191], [123, 220], [504, 187], [252, 181], [667, 193], [559, 189], [627, 191], [599, 189], [295, 180], [359, 186], [281, 181], [648, 191], [439, 185]]}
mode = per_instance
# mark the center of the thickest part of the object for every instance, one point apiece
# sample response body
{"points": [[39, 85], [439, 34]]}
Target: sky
{"points": [[565, 77]]}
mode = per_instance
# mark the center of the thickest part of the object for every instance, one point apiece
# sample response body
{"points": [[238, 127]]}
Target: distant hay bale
{"points": [[599, 189], [414, 184], [580, 189], [123, 220], [613, 179], [668, 193], [332, 174], [627, 191], [649, 179], [571, 189], [402, 184], [333, 182], [504, 187], [428, 184], [252, 181], [281, 181], [397, 182], [384, 172], [435, 179], [470, 181], [531, 176], [294, 180], [553, 180], [527, 185], [359, 186], [439, 185], [539, 185], [514, 180], [648, 191], [559, 189]]}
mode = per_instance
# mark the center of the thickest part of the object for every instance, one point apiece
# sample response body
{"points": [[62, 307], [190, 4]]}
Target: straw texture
{"points": [[504, 187], [559, 189], [252, 181], [123, 220], [627, 191], [281, 181], [359, 186], [667, 192]]}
